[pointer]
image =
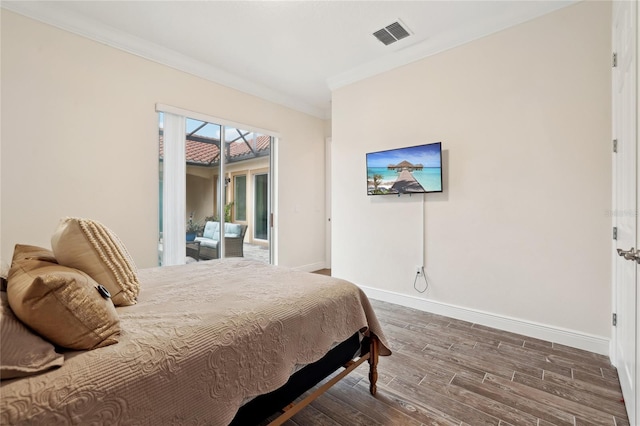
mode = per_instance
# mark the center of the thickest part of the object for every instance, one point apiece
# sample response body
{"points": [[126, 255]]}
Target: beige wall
{"points": [[521, 230], [79, 138], [200, 195]]}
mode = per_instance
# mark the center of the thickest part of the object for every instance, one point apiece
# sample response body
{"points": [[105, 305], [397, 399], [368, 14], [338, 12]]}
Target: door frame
{"points": [[327, 201]]}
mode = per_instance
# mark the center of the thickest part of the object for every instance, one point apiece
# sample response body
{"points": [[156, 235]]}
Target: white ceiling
{"points": [[289, 52]]}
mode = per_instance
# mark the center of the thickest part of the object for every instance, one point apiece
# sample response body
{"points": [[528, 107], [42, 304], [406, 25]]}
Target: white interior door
{"points": [[625, 201]]}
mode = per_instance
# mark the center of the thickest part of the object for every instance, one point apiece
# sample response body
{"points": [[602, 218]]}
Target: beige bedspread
{"points": [[203, 338]]}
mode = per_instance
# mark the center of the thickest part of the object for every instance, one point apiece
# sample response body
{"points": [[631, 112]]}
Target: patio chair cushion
{"points": [[232, 230], [211, 230], [207, 242]]}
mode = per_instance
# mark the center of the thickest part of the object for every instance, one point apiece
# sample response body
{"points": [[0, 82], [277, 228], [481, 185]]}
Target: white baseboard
{"points": [[312, 267], [576, 339]]}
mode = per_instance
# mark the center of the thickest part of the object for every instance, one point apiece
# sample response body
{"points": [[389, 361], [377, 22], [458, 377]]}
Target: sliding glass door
{"points": [[225, 201]]}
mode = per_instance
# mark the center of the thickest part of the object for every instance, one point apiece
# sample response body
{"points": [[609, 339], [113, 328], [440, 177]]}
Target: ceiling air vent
{"points": [[391, 33]]}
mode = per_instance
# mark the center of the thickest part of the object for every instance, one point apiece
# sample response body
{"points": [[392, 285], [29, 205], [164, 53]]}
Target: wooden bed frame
{"points": [[266, 406]]}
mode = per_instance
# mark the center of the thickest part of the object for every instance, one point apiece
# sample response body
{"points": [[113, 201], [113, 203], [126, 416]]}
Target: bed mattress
{"points": [[202, 339]]}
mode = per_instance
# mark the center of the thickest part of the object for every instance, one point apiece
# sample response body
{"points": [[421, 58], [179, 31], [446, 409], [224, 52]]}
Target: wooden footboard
{"points": [[371, 356]]}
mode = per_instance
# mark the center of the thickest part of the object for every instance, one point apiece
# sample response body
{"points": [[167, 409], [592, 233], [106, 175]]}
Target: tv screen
{"points": [[410, 170]]}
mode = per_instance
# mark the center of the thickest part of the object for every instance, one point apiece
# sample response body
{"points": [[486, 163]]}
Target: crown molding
{"points": [[46, 12], [441, 43]]}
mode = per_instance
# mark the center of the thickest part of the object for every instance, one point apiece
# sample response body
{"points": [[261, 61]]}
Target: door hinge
{"points": [[615, 60], [615, 145], [615, 232], [614, 320]]}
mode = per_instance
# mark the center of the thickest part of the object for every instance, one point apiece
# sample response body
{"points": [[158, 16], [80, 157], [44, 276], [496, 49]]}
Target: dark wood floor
{"points": [[450, 372]]}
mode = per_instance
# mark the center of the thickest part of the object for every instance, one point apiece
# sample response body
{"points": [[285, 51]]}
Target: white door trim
{"points": [[327, 192]]}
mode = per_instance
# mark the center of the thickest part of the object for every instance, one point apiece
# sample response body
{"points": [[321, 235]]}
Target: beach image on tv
{"points": [[410, 170]]}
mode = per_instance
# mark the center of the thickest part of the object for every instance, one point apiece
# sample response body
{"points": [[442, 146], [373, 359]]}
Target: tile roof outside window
{"points": [[208, 153]]}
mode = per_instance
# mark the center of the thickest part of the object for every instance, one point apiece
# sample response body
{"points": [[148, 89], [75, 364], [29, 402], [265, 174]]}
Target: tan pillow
{"points": [[22, 353], [62, 304], [24, 251], [94, 249]]}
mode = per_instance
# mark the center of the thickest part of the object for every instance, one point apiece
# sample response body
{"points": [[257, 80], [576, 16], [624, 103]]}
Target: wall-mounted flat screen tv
{"points": [[409, 170]]}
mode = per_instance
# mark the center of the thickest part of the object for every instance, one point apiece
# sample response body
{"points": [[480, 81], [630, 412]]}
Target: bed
{"points": [[206, 343]]}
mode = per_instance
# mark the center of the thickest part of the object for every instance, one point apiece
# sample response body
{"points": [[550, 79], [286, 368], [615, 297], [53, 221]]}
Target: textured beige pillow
{"points": [[94, 249], [62, 304], [22, 353]]}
